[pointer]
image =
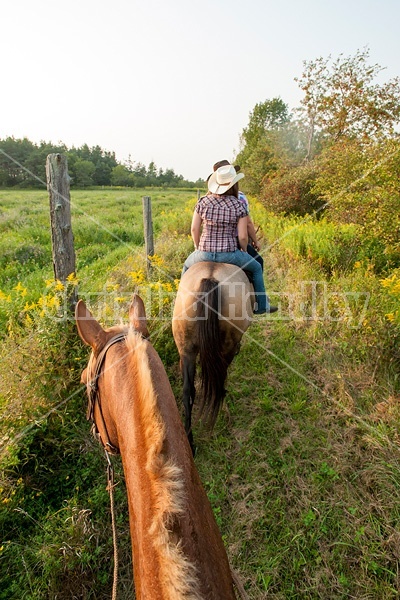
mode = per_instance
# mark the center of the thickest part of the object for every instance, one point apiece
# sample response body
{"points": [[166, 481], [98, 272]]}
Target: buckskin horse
{"points": [[213, 308], [178, 553]]}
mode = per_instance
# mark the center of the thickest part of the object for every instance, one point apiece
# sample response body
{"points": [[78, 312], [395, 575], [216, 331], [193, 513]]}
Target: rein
{"points": [[109, 448]]}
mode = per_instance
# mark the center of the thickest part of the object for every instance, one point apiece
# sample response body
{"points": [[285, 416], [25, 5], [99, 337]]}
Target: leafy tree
{"points": [[292, 192], [14, 157], [22, 163], [36, 162], [342, 100], [102, 160], [265, 116], [264, 142], [83, 172], [361, 184], [120, 175]]}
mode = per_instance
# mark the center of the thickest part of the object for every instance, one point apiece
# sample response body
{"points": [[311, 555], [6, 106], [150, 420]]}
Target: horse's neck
{"points": [[153, 480], [177, 548]]}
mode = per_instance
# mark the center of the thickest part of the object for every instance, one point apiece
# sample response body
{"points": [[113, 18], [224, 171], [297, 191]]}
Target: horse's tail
{"points": [[213, 365]]}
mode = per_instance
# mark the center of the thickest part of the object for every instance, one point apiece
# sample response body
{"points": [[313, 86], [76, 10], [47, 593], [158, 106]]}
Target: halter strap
{"points": [[94, 396]]}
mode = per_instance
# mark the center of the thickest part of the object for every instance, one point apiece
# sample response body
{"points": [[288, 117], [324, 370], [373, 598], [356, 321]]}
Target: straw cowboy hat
{"points": [[223, 179]]}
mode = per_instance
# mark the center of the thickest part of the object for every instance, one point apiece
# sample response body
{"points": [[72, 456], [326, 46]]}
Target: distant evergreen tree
{"points": [[23, 164]]}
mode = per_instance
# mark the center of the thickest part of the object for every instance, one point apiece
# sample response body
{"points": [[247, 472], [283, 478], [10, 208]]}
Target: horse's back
{"points": [[222, 272]]}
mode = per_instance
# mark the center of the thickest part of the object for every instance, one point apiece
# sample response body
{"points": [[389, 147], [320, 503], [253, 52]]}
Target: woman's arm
{"points": [[242, 233], [251, 232], [195, 229]]}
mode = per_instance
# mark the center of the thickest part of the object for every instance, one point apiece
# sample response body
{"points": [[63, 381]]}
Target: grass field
{"points": [[303, 467]]}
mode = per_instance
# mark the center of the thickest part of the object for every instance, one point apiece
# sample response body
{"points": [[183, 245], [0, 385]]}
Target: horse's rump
{"points": [[213, 309]]}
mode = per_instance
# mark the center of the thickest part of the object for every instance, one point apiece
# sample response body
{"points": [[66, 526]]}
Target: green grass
{"points": [[303, 467]]}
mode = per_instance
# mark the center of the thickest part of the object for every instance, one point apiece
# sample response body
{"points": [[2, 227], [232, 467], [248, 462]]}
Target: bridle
{"points": [[94, 396]]}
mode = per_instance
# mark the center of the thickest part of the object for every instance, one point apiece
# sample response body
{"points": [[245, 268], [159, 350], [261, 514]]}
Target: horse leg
{"points": [[188, 373]]}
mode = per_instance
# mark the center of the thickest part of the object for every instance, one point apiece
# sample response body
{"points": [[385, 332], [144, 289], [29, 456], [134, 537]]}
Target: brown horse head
{"points": [[213, 309], [101, 341]]}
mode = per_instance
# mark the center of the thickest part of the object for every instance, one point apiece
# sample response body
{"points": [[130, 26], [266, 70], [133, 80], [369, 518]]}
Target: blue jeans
{"points": [[242, 260]]}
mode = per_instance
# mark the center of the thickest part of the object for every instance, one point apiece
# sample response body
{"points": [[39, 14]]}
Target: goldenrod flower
{"points": [[29, 306], [53, 302], [72, 278], [156, 261], [59, 287], [28, 320], [5, 297], [21, 289], [390, 317]]}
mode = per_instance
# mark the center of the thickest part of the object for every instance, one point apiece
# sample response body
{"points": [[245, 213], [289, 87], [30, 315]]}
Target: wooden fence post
{"points": [[60, 220], [148, 231]]}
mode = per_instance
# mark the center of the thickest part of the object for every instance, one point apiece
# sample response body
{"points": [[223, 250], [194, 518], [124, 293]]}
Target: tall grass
{"points": [[302, 469]]}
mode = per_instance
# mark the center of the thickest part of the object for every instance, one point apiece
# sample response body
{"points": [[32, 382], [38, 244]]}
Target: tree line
{"points": [[22, 164], [336, 156]]}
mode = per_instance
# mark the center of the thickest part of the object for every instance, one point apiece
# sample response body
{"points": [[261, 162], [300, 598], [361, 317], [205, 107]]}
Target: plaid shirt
{"points": [[220, 216]]}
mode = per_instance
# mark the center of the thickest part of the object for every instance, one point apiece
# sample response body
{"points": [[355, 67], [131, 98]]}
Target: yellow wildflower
{"points": [[156, 261], [59, 287], [138, 277], [28, 320], [29, 306], [53, 301], [390, 317], [72, 278], [5, 297], [21, 289]]}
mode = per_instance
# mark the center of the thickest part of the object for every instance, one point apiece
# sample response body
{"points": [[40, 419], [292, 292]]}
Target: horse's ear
{"points": [[137, 316], [90, 331]]}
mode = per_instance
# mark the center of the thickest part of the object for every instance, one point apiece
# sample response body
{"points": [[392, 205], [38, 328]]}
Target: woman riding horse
{"points": [[215, 301], [224, 219]]}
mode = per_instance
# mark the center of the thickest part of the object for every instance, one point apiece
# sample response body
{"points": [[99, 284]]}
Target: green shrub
{"points": [[291, 192]]}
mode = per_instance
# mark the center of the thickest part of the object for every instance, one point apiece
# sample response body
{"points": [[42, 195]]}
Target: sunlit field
{"points": [[302, 469]]}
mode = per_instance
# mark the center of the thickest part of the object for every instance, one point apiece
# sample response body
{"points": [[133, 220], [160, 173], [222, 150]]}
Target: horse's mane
{"points": [[166, 481]]}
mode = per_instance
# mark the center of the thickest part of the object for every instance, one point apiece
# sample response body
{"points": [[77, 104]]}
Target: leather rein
{"points": [[94, 396]]}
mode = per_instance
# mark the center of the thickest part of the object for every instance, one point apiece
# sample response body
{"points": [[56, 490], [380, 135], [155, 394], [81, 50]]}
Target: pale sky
{"points": [[171, 81]]}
